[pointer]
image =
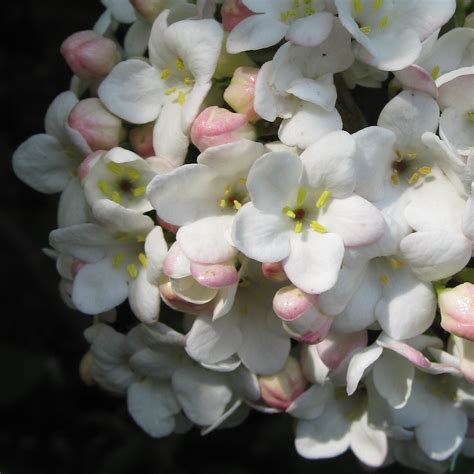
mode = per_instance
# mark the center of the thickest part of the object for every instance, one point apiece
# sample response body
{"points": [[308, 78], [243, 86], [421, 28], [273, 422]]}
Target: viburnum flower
{"points": [[303, 212], [302, 22], [389, 33]]}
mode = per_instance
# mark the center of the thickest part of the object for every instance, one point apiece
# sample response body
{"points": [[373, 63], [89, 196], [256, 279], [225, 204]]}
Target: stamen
{"points": [[140, 191], [179, 63], [296, 3], [118, 260], [323, 199], [242, 181], [227, 190], [288, 212], [357, 6], [411, 156], [378, 4], [237, 204], [399, 154], [414, 178], [181, 98], [298, 227], [394, 178], [302, 193], [384, 279], [170, 91], [120, 236], [308, 11], [365, 29], [383, 22], [188, 81], [140, 238], [143, 259], [165, 73], [115, 196], [395, 263], [132, 270], [223, 203], [435, 72], [114, 168], [470, 116], [132, 173], [317, 227], [104, 187], [424, 170]]}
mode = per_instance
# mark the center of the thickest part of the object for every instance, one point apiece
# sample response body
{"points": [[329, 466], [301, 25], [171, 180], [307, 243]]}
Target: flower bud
{"points": [[101, 129], [89, 55], [457, 310], [216, 275], [85, 369], [274, 271], [311, 327], [233, 12], [290, 303], [215, 126], [169, 296], [149, 9], [280, 390], [241, 92], [141, 140]]}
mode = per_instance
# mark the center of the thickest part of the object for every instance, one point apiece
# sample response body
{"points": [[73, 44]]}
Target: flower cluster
{"points": [[203, 164]]}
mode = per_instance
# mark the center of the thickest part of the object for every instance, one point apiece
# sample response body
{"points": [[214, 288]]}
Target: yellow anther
{"points": [[296, 3], [357, 6], [140, 191], [365, 29], [118, 260], [384, 279], [424, 170], [227, 190], [179, 63], [291, 13], [414, 178], [188, 81], [181, 98], [143, 259], [115, 196], [165, 73], [411, 156], [237, 204], [283, 17], [395, 263], [378, 4], [470, 116], [383, 22], [132, 270], [298, 227], [323, 199], [242, 181], [114, 168], [301, 196], [140, 238], [120, 236], [132, 173], [394, 178], [170, 91], [399, 154], [308, 11], [435, 72], [104, 187], [316, 226], [289, 213]]}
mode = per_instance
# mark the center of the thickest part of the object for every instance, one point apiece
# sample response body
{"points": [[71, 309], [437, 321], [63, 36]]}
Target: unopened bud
{"points": [[310, 328], [240, 93], [141, 140], [457, 310], [281, 389], [290, 303], [274, 271], [216, 275], [233, 12], [89, 55], [149, 9], [101, 129], [215, 126]]}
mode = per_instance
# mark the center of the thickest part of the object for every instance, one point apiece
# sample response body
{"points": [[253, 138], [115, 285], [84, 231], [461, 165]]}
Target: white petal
{"points": [[144, 298], [314, 261], [417, 78], [321, 92], [360, 363], [133, 91], [159, 363], [311, 30], [73, 208], [136, 39], [57, 115], [155, 251], [311, 403], [151, 404]]}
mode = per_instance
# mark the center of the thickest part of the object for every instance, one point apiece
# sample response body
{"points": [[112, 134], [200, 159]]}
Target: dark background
{"points": [[50, 422]]}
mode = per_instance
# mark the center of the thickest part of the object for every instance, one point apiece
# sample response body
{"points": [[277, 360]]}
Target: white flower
{"points": [[389, 32], [303, 212], [303, 22]]}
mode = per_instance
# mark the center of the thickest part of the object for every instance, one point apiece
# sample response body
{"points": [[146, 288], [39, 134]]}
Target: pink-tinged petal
{"points": [[217, 275], [274, 271], [311, 30], [314, 261], [417, 78], [406, 351], [88, 163], [457, 310], [233, 12], [311, 327], [337, 347], [355, 220], [205, 240], [262, 237], [290, 303], [360, 364], [176, 264], [167, 226]]}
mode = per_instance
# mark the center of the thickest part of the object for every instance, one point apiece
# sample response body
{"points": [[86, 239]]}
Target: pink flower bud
{"points": [[457, 310], [274, 272], [148, 9], [216, 275], [216, 126], [88, 163], [282, 389], [141, 140], [290, 303], [101, 129], [310, 328], [240, 93], [233, 12], [89, 55]]}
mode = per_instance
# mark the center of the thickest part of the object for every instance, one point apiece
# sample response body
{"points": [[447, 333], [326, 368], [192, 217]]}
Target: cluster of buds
{"points": [[205, 166]]}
